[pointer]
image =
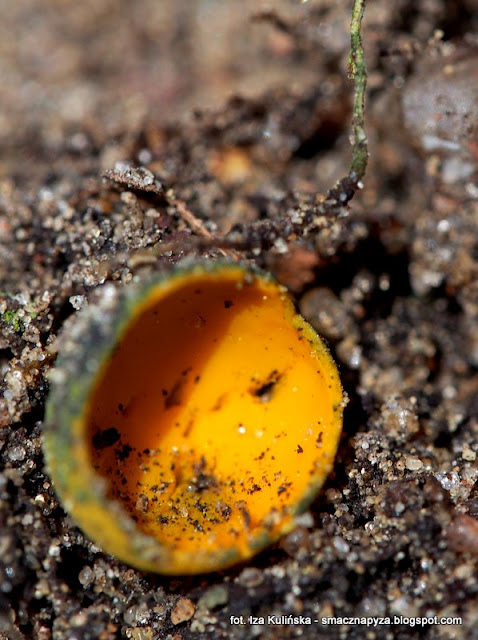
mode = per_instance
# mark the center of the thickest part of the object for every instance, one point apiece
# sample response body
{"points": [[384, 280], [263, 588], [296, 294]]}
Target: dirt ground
{"points": [[241, 111]]}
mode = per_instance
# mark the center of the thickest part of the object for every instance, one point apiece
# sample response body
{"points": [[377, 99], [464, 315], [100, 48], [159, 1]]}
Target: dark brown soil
{"points": [[235, 114]]}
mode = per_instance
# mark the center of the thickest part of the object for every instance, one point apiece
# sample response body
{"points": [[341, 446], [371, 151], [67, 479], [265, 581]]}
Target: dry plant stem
{"points": [[359, 74], [346, 188], [194, 223], [197, 225]]}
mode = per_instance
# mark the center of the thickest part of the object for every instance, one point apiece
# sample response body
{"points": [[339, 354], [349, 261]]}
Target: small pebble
{"points": [[86, 576], [214, 597], [412, 463], [17, 454], [250, 577], [448, 480], [79, 619], [341, 545], [183, 611], [462, 534], [467, 453], [404, 607]]}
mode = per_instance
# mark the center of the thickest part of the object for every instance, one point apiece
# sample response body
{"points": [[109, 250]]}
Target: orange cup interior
{"points": [[217, 414]]}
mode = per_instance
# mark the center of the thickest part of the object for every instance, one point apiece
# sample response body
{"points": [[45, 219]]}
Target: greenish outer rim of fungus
{"points": [[99, 327]]}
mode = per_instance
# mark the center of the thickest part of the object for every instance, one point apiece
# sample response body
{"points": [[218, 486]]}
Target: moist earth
{"points": [[136, 134]]}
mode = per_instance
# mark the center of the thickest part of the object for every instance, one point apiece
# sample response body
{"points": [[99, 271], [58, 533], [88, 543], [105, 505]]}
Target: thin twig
{"points": [[197, 225], [194, 223]]}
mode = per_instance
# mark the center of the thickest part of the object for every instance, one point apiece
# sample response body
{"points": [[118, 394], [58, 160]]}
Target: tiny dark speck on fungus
{"points": [[106, 438], [197, 474]]}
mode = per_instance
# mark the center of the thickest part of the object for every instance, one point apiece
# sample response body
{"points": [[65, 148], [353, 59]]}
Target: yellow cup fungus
{"points": [[191, 418]]}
